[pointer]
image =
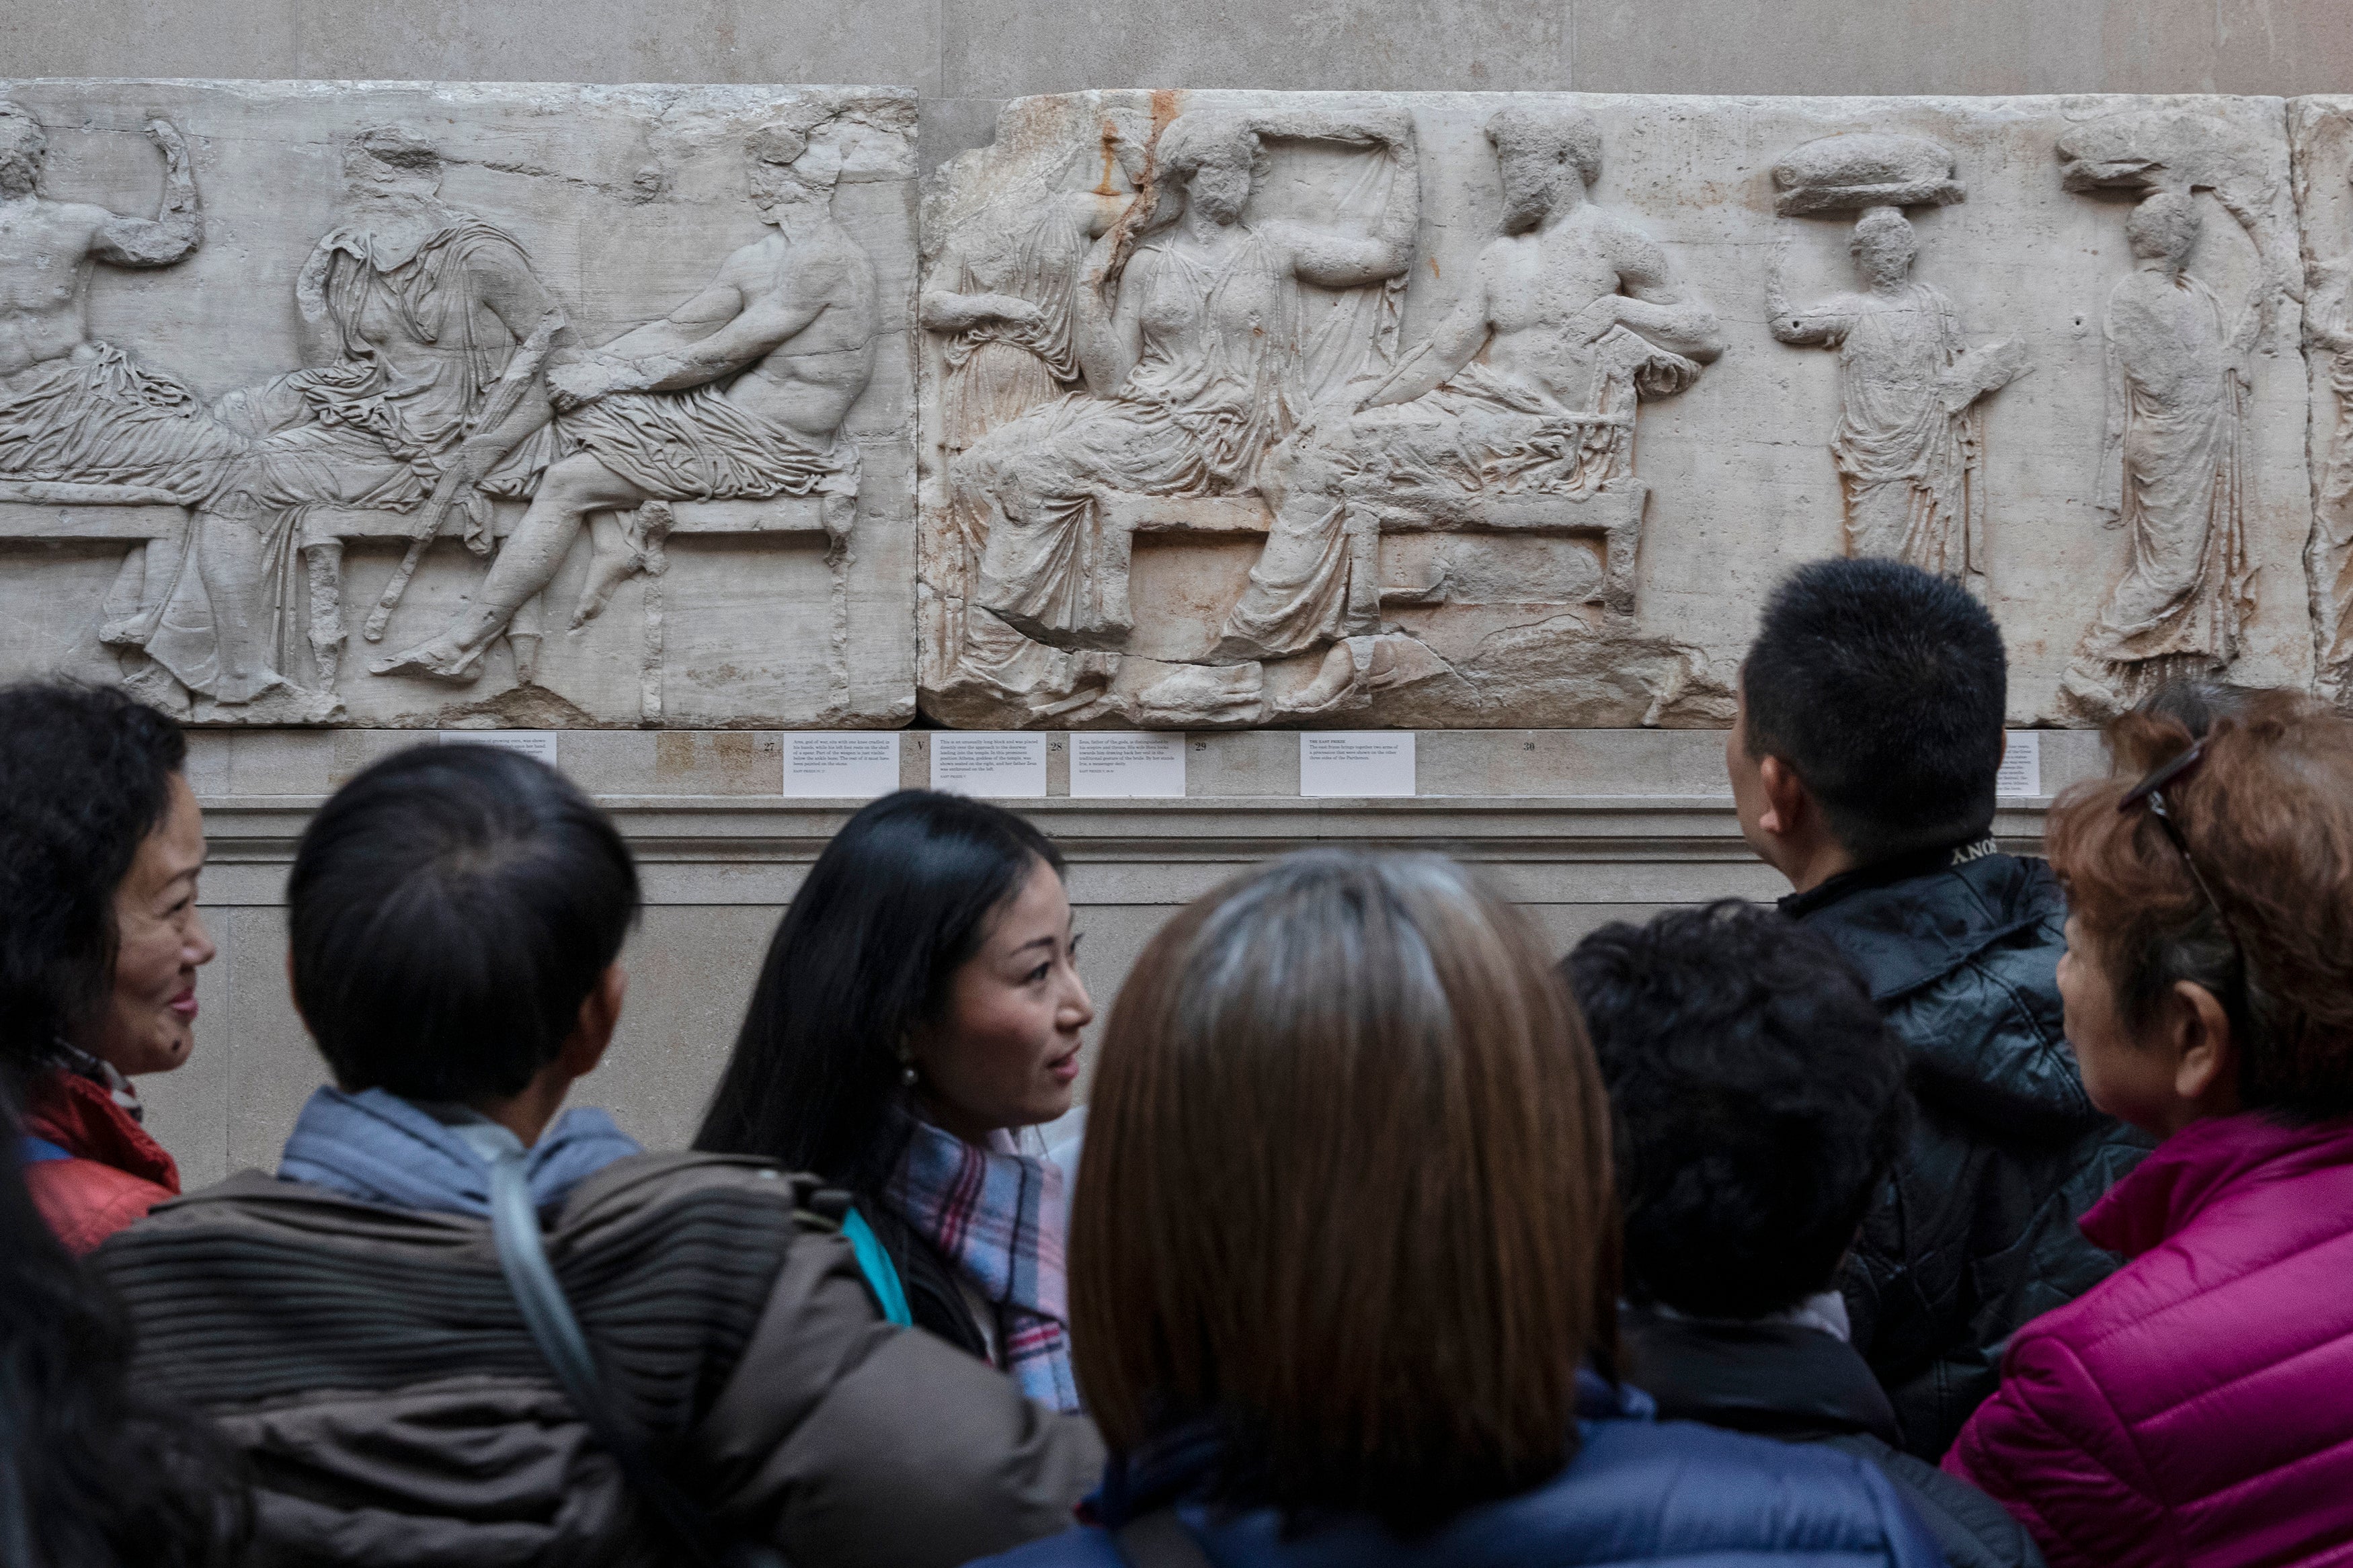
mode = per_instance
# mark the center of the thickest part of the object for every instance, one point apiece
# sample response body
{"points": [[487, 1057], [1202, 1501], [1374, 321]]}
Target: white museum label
{"points": [[856, 763], [1005, 764], [2021, 766], [1356, 763], [1127, 763], [539, 745]]}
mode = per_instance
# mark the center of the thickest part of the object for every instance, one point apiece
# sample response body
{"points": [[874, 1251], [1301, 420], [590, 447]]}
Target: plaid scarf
{"points": [[997, 1217]]}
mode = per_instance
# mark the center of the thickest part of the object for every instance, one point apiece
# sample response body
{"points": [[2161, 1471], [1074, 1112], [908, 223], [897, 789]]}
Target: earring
{"points": [[906, 1064], [907, 1076]]}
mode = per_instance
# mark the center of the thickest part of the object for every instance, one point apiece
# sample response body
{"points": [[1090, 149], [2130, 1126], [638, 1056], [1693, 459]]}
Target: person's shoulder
{"points": [[1972, 1529], [637, 1183], [84, 1202], [1675, 1488]]}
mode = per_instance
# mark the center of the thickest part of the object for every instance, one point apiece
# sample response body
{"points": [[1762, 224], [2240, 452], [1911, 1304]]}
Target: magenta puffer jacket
{"points": [[2197, 1407]]}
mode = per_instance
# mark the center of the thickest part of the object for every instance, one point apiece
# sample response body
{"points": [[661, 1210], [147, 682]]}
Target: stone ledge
{"points": [[731, 850]]}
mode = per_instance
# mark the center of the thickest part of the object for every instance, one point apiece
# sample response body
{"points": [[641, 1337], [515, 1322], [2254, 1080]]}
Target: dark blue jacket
{"points": [[1638, 1492]]}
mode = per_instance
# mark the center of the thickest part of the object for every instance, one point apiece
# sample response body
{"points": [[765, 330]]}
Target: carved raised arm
{"points": [[1390, 127], [1343, 261], [178, 226], [1788, 324], [946, 311]]}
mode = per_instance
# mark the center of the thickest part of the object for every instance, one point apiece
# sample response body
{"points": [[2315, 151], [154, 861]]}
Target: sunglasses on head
{"points": [[2151, 792]]}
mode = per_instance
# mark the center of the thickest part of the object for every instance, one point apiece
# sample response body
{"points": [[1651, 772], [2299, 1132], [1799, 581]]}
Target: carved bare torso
{"points": [[810, 378], [1541, 287], [45, 251]]}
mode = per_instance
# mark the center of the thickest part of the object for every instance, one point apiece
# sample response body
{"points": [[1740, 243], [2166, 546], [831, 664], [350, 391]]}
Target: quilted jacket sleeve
{"points": [[850, 1442], [2051, 1449]]}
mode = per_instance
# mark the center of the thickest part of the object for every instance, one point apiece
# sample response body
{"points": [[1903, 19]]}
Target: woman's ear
{"points": [[2206, 1059]]}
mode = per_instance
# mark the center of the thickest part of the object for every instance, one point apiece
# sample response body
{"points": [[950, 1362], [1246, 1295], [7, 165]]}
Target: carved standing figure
{"points": [[1528, 385], [1909, 445], [1204, 348], [738, 393], [2170, 469], [2332, 543], [1007, 291]]}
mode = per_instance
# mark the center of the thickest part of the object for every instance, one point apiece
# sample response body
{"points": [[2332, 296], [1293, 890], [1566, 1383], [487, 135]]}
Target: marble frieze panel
{"points": [[412, 405], [1500, 409]]}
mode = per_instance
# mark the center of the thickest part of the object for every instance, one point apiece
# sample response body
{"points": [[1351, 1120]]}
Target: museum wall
{"points": [[966, 58], [1590, 781]]}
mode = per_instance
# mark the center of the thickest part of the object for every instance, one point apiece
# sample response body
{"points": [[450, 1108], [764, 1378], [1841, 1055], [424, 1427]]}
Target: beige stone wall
{"points": [[967, 56], [1583, 827]]}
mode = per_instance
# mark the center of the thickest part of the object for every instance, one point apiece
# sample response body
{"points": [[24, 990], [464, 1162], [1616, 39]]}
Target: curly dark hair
{"points": [[85, 776], [1757, 1099], [94, 1473]]}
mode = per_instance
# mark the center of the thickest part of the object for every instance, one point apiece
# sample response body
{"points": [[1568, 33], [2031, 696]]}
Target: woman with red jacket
{"points": [[2194, 1407], [100, 844]]}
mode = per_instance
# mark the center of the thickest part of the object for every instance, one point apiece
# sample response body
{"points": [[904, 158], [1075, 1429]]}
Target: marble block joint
{"points": [[404, 405]]}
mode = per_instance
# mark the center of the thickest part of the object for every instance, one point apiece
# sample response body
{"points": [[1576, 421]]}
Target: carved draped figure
{"points": [[98, 417], [996, 370], [1478, 433], [2334, 536], [2176, 469], [1908, 462], [1198, 416], [419, 353], [370, 431], [696, 446]]}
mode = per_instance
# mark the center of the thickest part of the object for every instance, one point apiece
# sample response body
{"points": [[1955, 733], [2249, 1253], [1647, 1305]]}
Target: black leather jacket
{"points": [[1974, 1231]]}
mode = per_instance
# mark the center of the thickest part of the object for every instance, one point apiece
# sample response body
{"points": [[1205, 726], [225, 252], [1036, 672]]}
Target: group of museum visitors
{"points": [[1965, 1207]]}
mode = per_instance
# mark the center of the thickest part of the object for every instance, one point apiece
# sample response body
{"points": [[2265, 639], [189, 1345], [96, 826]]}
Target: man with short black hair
{"points": [[455, 919], [1757, 1101], [1862, 762]]}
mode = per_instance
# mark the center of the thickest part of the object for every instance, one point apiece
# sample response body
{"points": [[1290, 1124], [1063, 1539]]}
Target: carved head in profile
{"points": [[1884, 246], [392, 160], [2163, 227], [1127, 138], [1216, 159], [1544, 155], [23, 146], [788, 167]]}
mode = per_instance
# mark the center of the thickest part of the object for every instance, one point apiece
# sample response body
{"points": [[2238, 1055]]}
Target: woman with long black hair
{"points": [[919, 1005]]}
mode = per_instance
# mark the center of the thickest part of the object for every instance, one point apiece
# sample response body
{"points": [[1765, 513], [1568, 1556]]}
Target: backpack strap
{"points": [[1159, 1540], [41, 1151], [547, 1313], [881, 1274]]}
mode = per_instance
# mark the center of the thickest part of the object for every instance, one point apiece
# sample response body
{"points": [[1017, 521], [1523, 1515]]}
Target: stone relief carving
{"points": [[787, 327], [1236, 408], [2174, 461], [1909, 445], [2322, 132], [1238, 369], [449, 387]]}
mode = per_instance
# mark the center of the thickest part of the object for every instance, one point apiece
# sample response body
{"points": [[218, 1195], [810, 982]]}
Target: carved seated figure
{"points": [[1204, 347], [1528, 387]]}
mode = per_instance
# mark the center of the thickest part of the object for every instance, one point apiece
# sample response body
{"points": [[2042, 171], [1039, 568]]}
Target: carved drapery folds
{"points": [[408, 405]]}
